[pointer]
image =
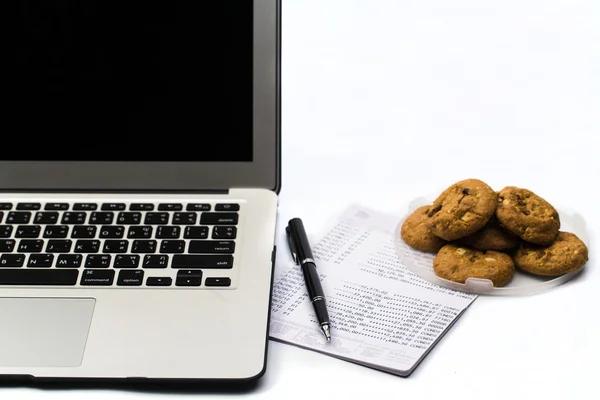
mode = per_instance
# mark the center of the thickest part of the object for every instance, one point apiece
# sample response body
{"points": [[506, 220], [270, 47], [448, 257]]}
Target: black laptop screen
{"points": [[96, 80]]}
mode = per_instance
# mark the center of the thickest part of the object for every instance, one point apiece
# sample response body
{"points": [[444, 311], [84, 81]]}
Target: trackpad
{"points": [[44, 332]]}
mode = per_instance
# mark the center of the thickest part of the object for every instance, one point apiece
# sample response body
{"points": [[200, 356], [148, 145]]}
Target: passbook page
{"points": [[382, 315]]}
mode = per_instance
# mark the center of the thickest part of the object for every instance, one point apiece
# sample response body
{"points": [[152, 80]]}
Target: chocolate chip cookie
{"points": [[462, 209], [416, 232], [459, 263], [527, 215], [492, 237], [568, 253]]}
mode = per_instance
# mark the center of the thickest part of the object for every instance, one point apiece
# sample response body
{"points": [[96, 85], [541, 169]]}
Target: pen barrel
{"points": [[315, 291], [321, 311]]}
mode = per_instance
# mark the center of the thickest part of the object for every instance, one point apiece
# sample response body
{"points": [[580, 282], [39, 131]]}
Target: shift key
{"points": [[203, 261]]}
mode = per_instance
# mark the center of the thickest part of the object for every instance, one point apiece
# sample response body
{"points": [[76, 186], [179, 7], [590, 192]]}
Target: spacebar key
{"points": [[46, 277], [203, 261]]}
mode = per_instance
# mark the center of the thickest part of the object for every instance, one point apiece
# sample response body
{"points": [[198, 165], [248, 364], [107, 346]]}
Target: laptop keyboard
{"points": [[179, 245]]}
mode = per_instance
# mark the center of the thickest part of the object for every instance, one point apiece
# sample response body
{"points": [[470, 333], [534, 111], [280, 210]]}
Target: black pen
{"points": [[302, 255]]}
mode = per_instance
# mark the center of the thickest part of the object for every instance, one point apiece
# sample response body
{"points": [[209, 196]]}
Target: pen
{"points": [[302, 255]]}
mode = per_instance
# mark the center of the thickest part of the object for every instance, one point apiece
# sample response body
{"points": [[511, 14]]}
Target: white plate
{"points": [[421, 263]]}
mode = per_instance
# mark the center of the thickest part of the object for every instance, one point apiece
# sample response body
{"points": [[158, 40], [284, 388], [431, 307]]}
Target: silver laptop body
{"points": [[139, 178]]}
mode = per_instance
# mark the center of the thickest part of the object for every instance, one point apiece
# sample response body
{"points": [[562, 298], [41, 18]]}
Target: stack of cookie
{"points": [[479, 233]]}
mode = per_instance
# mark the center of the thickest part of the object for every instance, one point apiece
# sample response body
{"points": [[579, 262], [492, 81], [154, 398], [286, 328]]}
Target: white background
{"points": [[387, 100]]}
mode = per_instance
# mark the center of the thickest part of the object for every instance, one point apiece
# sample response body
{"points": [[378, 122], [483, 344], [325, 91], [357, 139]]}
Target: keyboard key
{"points": [[129, 218], [38, 277], [139, 232], [168, 232], [29, 206], [102, 218], [219, 282], [6, 206], [12, 260], [1, 215], [227, 207], [159, 281], [112, 232], [170, 207], [7, 246], [97, 261], [202, 261], [56, 206], [212, 246], [144, 246], [113, 206], [84, 232], [189, 273], [155, 261], [224, 232], [172, 246], [85, 207], [69, 261], [198, 207], [153, 218], [130, 278], [141, 207], [98, 277], [59, 246], [74, 218], [40, 260], [188, 278], [87, 246], [5, 231], [57, 231], [127, 261], [46, 218], [30, 246], [28, 231], [115, 246], [196, 232], [16, 217], [184, 218], [220, 218]]}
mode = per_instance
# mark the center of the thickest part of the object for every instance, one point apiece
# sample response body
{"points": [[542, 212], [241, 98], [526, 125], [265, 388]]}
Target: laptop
{"points": [[139, 182]]}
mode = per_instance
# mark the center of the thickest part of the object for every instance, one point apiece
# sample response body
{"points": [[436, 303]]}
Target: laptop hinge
{"points": [[118, 191]]}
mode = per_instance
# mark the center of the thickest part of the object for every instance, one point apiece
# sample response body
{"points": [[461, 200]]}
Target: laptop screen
{"points": [[101, 80]]}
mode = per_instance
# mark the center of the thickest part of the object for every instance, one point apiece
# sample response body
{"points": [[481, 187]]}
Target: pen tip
{"points": [[325, 328]]}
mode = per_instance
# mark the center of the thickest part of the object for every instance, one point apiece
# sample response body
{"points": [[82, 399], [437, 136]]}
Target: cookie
{"points": [[416, 233], [527, 215], [568, 253], [462, 209], [492, 237], [457, 263]]}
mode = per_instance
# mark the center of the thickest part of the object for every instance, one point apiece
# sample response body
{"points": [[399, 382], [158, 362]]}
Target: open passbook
{"points": [[383, 316]]}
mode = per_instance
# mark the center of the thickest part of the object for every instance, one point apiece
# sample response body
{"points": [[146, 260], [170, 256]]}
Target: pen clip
{"points": [[288, 232]]}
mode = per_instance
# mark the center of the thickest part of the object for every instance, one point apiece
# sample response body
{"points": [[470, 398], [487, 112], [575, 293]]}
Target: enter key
{"points": [[212, 246]]}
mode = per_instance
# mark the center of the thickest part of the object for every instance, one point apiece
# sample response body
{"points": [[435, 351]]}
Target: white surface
{"points": [[385, 99]]}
